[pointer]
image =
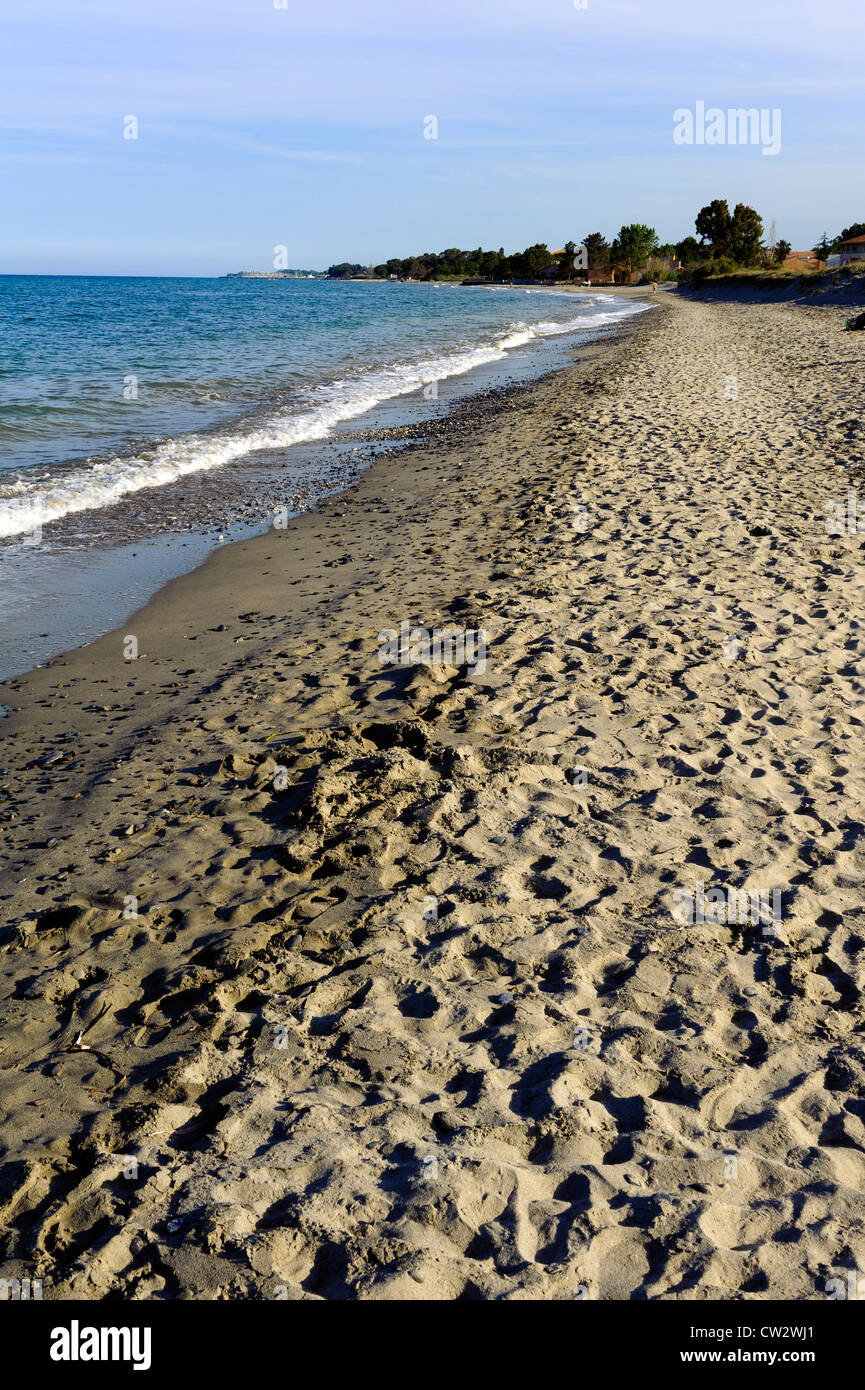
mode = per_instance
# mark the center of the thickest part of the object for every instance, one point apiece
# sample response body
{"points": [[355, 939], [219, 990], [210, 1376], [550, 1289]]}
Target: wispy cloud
{"points": [[267, 151], [43, 157]]}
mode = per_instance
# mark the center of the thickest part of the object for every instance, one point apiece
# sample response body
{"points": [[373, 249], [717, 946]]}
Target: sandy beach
{"points": [[400, 1005]]}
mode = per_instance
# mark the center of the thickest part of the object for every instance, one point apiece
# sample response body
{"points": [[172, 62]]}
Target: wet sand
{"points": [[400, 1007]]}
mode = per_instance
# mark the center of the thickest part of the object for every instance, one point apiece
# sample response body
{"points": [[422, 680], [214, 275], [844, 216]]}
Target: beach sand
{"points": [[399, 1008]]}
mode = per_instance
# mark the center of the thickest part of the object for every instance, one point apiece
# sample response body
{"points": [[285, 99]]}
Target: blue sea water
{"points": [[110, 386]]}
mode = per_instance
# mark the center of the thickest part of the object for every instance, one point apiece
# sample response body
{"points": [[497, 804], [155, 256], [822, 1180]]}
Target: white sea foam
{"points": [[26, 503]]}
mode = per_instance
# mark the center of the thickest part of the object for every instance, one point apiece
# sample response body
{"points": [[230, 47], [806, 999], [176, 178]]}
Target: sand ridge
{"points": [[398, 1007]]}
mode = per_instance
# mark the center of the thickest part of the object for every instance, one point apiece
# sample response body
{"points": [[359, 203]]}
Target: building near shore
{"points": [[852, 250], [802, 260]]}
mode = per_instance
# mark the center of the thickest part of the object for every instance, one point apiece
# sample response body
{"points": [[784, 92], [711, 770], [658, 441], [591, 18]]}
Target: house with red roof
{"points": [[852, 250]]}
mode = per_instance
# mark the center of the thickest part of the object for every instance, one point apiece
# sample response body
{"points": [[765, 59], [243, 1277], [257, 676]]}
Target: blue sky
{"points": [[304, 126]]}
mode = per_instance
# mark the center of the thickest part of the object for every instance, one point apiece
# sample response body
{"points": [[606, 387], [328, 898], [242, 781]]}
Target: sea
{"points": [[144, 421]]}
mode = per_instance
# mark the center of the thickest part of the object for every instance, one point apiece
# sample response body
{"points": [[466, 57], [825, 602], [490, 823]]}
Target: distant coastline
{"points": [[275, 275]]}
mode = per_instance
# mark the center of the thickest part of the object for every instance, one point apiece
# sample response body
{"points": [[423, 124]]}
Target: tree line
{"points": [[724, 242], [631, 247]]}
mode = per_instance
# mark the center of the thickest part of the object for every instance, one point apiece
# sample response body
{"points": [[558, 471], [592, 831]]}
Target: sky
{"points": [[287, 123]]}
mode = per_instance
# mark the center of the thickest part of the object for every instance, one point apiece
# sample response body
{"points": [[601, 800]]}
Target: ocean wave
{"points": [[27, 503]]}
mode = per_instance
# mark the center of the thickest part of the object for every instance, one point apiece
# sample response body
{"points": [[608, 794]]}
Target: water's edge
{"points": [[91, 591]]}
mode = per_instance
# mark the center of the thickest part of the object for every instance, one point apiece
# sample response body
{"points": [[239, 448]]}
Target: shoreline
{"points": [[482, 408], [124, 552], [396, 1008]]}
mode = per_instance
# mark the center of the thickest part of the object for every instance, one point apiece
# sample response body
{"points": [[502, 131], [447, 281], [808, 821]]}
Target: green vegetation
{"points": [[728, 242], [346, 270], [628, 250], [733, 245], [597, 248], [454, 264], [633, 246], [739, 238], [689, 251]]}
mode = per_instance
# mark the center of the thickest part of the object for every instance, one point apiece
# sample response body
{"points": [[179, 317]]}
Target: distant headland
{"points": [[275, 275]]}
